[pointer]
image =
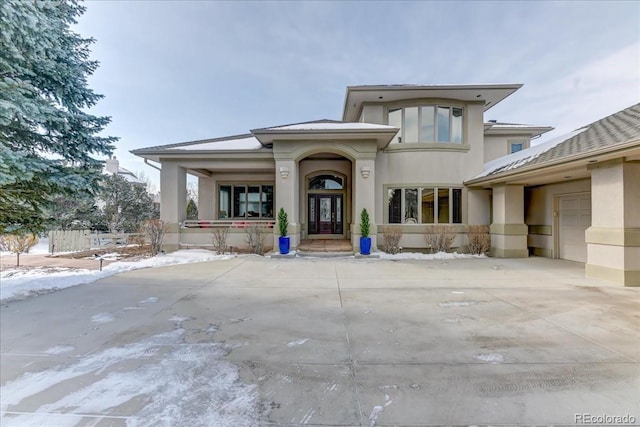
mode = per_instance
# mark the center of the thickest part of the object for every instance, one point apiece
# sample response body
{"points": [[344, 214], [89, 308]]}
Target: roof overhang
{"points": [[560, 170], [382, 136], [532, 131], [356, 96], [177, 154]]}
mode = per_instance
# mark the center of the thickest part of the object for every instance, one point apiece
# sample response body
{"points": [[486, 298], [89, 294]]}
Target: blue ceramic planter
{"points": [[365, 245], [283, 243]]}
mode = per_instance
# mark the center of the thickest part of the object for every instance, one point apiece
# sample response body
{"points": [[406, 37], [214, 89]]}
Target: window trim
{"points": [[246, 185], [419, 106], [521, 142], [435, 187]]}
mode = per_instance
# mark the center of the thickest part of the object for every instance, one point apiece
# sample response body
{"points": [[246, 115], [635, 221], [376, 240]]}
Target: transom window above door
{"points": [[326, 182], [427, 124]]}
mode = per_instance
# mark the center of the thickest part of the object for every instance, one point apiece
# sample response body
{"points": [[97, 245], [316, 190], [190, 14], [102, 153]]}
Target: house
{"points": [[414, 155], [112, 166]]}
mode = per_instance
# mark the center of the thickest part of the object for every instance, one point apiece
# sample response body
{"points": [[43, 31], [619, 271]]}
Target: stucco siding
{"points": [[539, 213]]}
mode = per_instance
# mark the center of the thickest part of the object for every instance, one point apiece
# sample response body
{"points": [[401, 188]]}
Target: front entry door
{"points": [[325, 214]]}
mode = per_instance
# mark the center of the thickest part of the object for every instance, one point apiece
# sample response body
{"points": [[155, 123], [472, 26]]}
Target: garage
{"points": [[574, 219]]}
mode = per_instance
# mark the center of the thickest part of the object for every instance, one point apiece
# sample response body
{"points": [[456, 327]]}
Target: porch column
{"points": [[364, 192], [173, 202], [206, 198], [613, 240], [287, 196], [508, 230]]}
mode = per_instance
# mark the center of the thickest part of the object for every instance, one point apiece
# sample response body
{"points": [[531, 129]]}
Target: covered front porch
{"points": [[321, 173]]}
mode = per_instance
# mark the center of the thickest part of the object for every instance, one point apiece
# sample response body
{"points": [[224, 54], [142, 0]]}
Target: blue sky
{"points": [[180, 71]]}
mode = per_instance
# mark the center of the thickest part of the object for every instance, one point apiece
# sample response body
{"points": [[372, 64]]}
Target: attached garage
{"points": [[574, 217]]}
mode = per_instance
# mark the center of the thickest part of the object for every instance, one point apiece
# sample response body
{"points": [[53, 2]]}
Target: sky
{"points": [[176, 71]]}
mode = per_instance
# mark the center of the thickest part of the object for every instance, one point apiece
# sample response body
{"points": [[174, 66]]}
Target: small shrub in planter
{"points": [[479, 239], [283, 226], [365, 226]]}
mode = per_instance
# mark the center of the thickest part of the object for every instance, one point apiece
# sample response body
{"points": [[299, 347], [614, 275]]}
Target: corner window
{"points": [[424, 205], [245, 201], [427, 124]]}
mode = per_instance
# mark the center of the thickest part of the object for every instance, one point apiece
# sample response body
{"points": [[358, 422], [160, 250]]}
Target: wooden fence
{"points": [[83, 240]]}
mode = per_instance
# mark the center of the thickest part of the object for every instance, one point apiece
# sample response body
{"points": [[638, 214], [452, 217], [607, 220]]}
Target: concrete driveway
{"points": [[254, 341]]}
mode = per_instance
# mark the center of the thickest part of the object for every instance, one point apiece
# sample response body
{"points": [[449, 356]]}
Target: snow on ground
{"points": [[20, 283], [183, 385], [420, 256]]}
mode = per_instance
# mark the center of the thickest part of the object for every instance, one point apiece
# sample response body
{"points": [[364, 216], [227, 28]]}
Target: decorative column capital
{"points": [[284, 172]]}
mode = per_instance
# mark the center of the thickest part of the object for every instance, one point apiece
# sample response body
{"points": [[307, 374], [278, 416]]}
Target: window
{"points": [[326, 182], [245, 201], [427, 123], [437, 205], [516, 146]]}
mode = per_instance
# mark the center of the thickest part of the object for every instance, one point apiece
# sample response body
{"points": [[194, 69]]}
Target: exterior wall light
{"points": [[365, 172], [284, 172]]}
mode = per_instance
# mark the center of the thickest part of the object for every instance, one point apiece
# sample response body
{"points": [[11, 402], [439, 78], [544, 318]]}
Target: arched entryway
{"points": [[325, 204], [325, 196]]}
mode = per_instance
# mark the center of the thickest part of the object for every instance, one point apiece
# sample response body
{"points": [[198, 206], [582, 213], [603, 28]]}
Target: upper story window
{"points": [[427, 124], [516, 146]]}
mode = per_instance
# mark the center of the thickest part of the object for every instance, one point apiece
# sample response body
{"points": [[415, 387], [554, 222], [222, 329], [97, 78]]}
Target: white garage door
{"points": [[575, 218]]}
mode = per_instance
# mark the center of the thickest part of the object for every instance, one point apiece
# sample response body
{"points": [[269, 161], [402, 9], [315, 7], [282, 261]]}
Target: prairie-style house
{"points": [[416, 155]]}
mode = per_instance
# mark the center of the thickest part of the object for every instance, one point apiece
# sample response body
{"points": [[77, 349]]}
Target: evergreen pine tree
{"points": [[47, 140], [192, 209]]}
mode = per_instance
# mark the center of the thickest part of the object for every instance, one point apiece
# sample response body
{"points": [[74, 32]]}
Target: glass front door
{"points": [[325, 214]]}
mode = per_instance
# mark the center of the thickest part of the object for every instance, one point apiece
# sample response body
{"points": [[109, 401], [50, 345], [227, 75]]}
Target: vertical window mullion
{"points": [[436, 210], [402, 140], [419, 205], [419, 124], [451, 206]]}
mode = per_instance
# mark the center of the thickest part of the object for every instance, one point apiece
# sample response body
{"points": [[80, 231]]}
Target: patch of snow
{"points": [[297, 343], [421, 256], [150, 300], [522, 157], [167, 377], [307, 417], [449, 304], [16, 285], [60, 349], [375, 413], [102, 318], [179, 319], [490, 357]]}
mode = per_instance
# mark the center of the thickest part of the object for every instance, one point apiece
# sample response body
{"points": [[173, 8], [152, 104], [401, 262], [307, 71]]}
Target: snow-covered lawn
{"points": [[19, 283]]}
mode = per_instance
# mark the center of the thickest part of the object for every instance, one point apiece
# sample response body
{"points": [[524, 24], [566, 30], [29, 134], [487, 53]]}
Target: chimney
{"points": [[112, 165]]}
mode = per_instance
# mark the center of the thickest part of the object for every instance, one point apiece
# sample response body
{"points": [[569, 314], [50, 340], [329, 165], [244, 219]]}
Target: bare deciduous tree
{"points": [[154, 230]]}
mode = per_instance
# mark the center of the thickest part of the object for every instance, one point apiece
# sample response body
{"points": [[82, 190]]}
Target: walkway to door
{"points": [[322, 245]]}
